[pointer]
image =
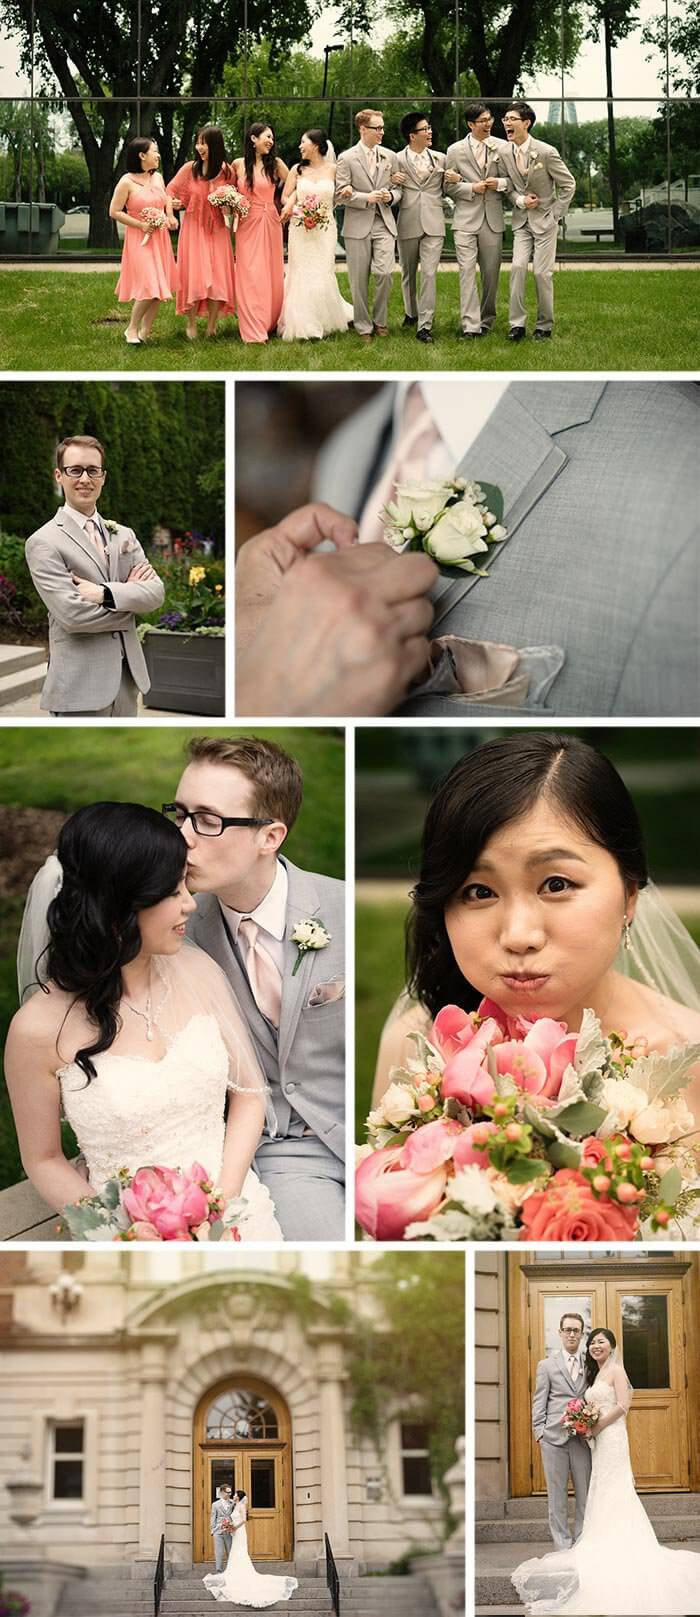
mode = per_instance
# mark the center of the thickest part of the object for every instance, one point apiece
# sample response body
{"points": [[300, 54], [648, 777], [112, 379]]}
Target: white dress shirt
{"points": [[270, 916], [480, 152], [460, 409]]}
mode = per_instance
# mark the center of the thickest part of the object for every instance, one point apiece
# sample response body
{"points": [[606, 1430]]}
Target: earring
{"points": [[626, 934]]}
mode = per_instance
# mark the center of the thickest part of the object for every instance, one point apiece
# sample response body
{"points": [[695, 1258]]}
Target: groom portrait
{"points": [[560, 1378], [94, 580], [220, 1513], [278, 933]]}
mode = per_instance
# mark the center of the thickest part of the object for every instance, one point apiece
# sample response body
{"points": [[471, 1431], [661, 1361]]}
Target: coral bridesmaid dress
{"points": [[205, 268], [259, 260], [148, 268]]}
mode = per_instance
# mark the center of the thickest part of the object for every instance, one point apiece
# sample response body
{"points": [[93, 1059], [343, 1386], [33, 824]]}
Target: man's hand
{"points": [[89, 591], [491, 183], [530, 200], [264, 560], [346, 191], [345, 634], [479, 187], [398, 179], [452, 176], [142, 573]]}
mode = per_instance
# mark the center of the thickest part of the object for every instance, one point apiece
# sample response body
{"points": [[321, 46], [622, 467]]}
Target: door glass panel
{"points": [[554, 1309], [262, 1484], [222, 1475], [645, 1347], [240, 1414]]}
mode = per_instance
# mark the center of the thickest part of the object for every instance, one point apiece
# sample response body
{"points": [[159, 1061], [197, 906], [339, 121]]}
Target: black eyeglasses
{"points": [[204, 823], [78, 471]]}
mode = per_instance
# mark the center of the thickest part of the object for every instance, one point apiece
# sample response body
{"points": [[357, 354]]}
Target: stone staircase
{"points": [[184, 1595], [22, 674], [510, 1533]]}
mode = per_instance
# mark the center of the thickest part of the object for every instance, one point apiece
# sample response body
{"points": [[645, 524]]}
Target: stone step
{"points": [[495, 1562], [14, 659], [18, 687], [655, 1504], [668, 1530]]}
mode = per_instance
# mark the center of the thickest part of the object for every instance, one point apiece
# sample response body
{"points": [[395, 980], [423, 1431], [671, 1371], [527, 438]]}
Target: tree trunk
{"points": [[612, 147]]}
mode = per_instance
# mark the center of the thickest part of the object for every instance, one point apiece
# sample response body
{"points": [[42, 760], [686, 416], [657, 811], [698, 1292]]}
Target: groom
{"points": [[560, 1378], [220, 1513], [240, 797], [363, 184], [93, 578]]}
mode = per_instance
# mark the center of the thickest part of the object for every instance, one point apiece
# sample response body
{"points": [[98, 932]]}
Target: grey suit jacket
{"points": [[85, 640], [553, 1389], [420, 210], [353, 170], [472, 209], [304, 1060], [220, 1512], [547, 176], [603, 555]]}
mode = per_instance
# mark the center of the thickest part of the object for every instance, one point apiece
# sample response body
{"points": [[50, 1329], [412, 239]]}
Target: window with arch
{"points": [[239, 1415]]}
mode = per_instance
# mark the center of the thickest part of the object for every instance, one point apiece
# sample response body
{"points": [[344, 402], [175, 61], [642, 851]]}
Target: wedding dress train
{"points": [[617, 1568], [313, 306], [240, 1582]]}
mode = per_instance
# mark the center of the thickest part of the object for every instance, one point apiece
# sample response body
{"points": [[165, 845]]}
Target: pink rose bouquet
{"points": [[157, 1204], [309, 213], [500, 1128], [231, 201], [579, 1418], [155, 219]]}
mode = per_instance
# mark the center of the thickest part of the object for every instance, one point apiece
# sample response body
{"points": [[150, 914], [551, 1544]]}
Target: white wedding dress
{"points": [[617, 1568], [313, 306], [139, 1113], [240, 1583]]}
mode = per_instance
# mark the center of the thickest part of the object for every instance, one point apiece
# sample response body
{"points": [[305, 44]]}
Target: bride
{"points": [[240, 1582], [136, 1039], [313, 306], [617, 1566]]}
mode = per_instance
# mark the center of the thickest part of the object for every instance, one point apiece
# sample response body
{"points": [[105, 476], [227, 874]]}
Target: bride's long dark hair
{"points": [[589, 1364], [117, 859], [486, 790]]}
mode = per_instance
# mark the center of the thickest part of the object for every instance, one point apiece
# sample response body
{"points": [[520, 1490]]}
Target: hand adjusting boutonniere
{"points": [[452, 520], [307, 935]]}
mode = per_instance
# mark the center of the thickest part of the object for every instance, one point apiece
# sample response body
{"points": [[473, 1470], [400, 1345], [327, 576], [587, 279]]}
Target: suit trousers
{"points": [[560, 1459], [222, 1549], [483, 246], [305, 1181], [124, 706], [543, 252], [366, 254], [423, 252]]}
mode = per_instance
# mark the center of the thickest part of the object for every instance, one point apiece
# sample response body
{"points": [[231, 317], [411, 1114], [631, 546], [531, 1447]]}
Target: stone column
{"points": [[152, 1457], [331, 1373]]}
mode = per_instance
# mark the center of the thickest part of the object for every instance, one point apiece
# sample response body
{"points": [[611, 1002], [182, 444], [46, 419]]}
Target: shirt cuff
{"points": [[520, 199], [502, 185]]}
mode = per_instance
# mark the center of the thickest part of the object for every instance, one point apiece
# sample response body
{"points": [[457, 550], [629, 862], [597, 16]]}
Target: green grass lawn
{"points": [[606, 319]]}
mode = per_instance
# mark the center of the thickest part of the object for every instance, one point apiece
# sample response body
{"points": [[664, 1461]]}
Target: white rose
{"points": [[472, 1187], [419, 503], [303, 932], [623, 1101], [398, 1104], [459, 534], [657, 1124]]}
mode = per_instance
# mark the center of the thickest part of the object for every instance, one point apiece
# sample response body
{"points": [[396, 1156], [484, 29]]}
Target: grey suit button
{"points": [[288, 1088]]}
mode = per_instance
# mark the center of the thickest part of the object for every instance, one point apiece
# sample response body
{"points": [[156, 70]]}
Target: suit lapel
{"points": [[516, 451], [77, 535], [303, 901]]}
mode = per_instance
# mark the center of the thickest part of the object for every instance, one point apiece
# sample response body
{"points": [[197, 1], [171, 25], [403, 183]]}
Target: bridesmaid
{"points": [[259, 254], [205, 273], [148, 270]]}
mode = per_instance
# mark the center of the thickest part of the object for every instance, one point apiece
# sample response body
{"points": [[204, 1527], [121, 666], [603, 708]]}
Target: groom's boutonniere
{"points": [[451, 520], [307, 935], [110, 524]]}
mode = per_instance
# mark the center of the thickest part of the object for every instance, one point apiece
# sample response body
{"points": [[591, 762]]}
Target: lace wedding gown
{"points": [[617, 1568], [240, 1582], [139, 1113], [313, 306]]}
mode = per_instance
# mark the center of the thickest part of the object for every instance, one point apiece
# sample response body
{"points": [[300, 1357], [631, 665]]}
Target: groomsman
{"points": [[477, 186], [419, 171], [363, 184], [541, 189]]}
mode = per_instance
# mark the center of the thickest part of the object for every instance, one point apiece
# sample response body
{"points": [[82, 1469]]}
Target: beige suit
{"points": [[94, 652], [535, 230], [369, 231], [478, 231], [421, 230]]}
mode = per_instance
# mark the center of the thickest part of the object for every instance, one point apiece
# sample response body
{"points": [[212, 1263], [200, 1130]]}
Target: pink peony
{"points": [[464, 1077], [452, 1030], [431, 1145], [172, 1202], [389, 1196], [568, 1210], [470, 1148], [539, 1060]]}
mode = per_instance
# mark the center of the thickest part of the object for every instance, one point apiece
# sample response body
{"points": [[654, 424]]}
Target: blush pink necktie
{"points": [[95, 537], [407, 463], [264, 978]]}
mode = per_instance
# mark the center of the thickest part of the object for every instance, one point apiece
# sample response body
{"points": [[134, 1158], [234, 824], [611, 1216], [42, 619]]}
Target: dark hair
{"points": [[269, 161], [589, 1365], [410, 123], [569, 1315], [523, 110], [135, 150], [487, 789], [474, 109], [320, 140], [117, 859], [240, 1493], [216, 162]]}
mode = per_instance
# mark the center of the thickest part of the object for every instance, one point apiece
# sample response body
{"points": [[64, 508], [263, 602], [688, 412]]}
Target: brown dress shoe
{"points": [[381, 331]]}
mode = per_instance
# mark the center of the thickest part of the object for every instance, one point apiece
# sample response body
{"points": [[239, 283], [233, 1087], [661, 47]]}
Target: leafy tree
{"points": [[684, 41], [29, 143], [617, 18]]}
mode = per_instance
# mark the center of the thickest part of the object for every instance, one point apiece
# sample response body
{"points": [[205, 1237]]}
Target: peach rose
{"points": [[568, 1210]]}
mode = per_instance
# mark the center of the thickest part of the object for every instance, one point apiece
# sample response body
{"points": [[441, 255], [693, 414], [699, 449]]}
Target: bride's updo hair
{"points": [[486, 790], [589, 1364], [320, 141], [117, 859]]}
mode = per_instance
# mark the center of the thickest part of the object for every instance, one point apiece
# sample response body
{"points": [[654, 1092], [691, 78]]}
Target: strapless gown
{"points": [[139, 1113], [313, 306], [240, 1583]]}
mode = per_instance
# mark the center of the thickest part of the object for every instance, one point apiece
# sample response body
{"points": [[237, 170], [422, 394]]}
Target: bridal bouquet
{"points": [[309, 213], [500, 1128], [579, 1418], [451, 520], [157, 1204], [231, 200], [155, 219]]}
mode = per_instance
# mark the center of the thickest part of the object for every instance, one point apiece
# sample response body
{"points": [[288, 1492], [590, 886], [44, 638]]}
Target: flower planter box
{"points": [[187, 672]]}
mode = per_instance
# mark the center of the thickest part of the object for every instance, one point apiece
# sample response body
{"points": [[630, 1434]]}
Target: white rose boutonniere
{"points": [[451, 520], [309, 934], [110, 524]]}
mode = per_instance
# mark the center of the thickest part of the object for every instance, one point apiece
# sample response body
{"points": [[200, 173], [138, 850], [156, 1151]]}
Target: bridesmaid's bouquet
{"points": [[310, 213], [155, 219], [157, 1204], [579, 1418], [501, 1128], [231, 201]]}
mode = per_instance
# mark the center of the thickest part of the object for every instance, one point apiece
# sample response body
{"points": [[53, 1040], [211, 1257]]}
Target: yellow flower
{"points": [[196, 575], [218, 589]]}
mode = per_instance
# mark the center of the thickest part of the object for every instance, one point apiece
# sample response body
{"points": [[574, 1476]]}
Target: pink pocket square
{"points": [[325, 993]]}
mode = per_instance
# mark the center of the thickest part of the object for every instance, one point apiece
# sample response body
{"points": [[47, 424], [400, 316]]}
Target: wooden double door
{"points": [[262, 1467], [646, 1314]]}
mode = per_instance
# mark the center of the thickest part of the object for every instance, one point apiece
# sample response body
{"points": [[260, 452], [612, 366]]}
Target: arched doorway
{"points": [[242, 1437]]}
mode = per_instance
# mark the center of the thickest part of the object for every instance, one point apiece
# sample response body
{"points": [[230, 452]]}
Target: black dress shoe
{"points": [[424, 334], [540, 336], [470, 336], [410, 319], [516, 334]]}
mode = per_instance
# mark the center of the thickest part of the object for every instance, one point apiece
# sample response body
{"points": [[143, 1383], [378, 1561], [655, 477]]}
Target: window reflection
{"points": [[645, 1346]]}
